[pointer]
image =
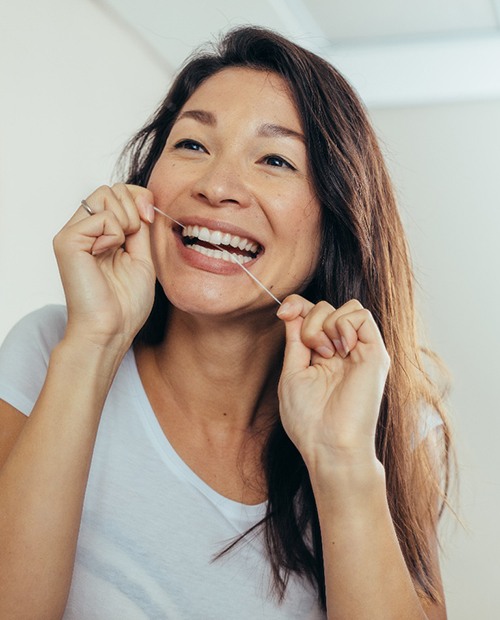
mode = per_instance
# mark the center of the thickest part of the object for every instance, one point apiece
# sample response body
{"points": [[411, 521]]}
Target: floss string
{"points": [[233, 257]]}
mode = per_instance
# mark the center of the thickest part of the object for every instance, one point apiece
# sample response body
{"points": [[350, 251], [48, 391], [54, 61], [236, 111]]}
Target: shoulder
{"points": [[25, 353], [52, 316], [429, 420], [42, 328]]}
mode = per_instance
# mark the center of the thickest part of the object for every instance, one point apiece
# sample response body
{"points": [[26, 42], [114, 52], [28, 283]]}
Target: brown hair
{"points": [[364, 255]]}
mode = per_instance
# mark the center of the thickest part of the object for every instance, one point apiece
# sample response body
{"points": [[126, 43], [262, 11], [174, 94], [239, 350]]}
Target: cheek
{"points": [[307, 246], [163, 181], [305, 226]]}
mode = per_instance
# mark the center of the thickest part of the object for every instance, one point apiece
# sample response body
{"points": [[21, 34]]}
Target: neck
{"points": [[221, 374]]}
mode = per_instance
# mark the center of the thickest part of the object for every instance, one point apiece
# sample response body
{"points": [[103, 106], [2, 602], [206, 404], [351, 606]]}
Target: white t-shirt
{"points": [[150, 526]]}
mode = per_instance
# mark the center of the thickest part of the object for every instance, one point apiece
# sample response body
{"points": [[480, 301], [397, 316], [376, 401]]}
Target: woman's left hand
{"points": [[332, 382]]}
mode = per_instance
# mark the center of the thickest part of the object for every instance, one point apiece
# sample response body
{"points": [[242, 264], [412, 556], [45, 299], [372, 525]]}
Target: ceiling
{"points": [[395, 52]]}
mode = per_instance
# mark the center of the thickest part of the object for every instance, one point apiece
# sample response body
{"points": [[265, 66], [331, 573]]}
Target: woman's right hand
{"points": [[106, 266]]}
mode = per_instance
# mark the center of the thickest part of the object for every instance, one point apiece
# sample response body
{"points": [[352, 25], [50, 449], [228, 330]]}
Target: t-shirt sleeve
{"points": [[24, 356], [430, 426], [430, 420]]}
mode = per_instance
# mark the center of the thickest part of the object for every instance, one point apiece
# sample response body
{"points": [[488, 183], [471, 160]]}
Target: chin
{"points": [[202, 300], [212, 301]]}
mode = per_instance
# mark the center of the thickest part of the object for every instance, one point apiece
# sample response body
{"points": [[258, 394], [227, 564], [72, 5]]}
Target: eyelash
{"points": [[183, 144], [283, 162], [186, 144]]}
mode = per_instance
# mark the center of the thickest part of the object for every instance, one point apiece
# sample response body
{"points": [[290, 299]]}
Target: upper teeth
{"points": [[216, 237]]}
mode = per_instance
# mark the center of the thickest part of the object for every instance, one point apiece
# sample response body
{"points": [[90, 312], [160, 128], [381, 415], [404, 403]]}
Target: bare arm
{"points": [[108, 278], [329, 404], [365, 572], [42, 483]]}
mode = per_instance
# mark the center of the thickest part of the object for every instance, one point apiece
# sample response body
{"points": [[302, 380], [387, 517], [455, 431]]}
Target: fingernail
{"points": [[150, 213], [338, 345], [325, 352], [345, 345], [284, 309]]}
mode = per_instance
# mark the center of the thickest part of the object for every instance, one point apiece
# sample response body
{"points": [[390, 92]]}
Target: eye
{"points": [[190, 145], [277, 162]]}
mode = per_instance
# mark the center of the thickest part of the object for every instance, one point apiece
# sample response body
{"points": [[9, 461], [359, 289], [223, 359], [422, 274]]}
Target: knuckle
{"points": [[331, 325], [324, 306], [366, 313], [122, 192], [313, 341], [102, 195], [308, 333], [59, 240], [354, 304], [312, 335], [104, 190], [294, 297], [136, 191]]}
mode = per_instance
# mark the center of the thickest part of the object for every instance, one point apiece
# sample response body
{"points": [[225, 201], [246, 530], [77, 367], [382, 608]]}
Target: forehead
{"points": [[247, 92]]}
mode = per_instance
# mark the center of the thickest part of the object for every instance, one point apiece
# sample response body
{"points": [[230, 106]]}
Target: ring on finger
{"points": [[87, 208]]}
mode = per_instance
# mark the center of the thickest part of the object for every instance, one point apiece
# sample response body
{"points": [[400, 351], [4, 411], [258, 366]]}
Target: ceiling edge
{"points": [[422, 73]]}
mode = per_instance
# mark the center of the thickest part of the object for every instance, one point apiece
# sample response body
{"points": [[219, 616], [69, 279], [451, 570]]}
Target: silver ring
{"points": [[85, 205]]}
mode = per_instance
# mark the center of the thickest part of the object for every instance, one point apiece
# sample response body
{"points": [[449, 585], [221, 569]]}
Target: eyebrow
{"points": [[270, 130], [266, 130], [202, 116]]}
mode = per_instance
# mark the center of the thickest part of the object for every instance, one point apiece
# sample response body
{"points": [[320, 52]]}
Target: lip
{"points": [[207, 263]]}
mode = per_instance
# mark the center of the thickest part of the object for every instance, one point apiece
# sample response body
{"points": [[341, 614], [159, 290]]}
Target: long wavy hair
{"points": [[364, 255]]}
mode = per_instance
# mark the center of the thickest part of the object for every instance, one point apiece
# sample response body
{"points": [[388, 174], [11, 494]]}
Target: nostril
{"points": [[226, 188], [213, 199]]}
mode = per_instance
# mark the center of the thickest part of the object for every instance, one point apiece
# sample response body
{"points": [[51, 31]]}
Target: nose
{"points": [[222, 183]]}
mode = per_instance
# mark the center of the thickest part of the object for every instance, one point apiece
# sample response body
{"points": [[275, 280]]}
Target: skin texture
{"points": [[224, 343], [226, 174]]}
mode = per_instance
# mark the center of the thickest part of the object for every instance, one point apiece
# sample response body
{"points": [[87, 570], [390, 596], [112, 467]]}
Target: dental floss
{"points": [[230, 254]]}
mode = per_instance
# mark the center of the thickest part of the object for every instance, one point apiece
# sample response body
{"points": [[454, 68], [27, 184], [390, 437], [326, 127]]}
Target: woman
{"points": [[192, 453]]}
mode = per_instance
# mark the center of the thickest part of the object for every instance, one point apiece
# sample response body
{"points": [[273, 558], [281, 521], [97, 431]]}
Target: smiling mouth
{"points": [[202, 240]]}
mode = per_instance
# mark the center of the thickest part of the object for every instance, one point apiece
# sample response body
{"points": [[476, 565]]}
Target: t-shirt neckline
{"points": [[231, 508]]}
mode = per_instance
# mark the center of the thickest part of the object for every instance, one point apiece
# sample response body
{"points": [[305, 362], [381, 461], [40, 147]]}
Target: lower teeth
{"points": [[221, 254]]}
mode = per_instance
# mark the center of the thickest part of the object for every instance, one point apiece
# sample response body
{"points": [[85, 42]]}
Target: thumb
{"points": [[297, 355]]}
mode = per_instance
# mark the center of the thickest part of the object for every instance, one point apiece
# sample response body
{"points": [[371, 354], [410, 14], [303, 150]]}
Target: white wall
{"points": [[74, 86], [445, 161]]}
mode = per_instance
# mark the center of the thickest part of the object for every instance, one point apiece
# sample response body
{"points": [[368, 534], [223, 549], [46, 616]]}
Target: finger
{"points": [[103, 198], [330, 323], [313, 334], [138, 202], [119, 201], [297, 356], [131, 219], [145, 201], [294, 306], [116, 199], [85, 235], [138, 245], [354, 328], [106, 231]]}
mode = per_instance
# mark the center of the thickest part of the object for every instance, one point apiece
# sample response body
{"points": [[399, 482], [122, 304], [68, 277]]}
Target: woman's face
{"points": [[234, 171]]}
